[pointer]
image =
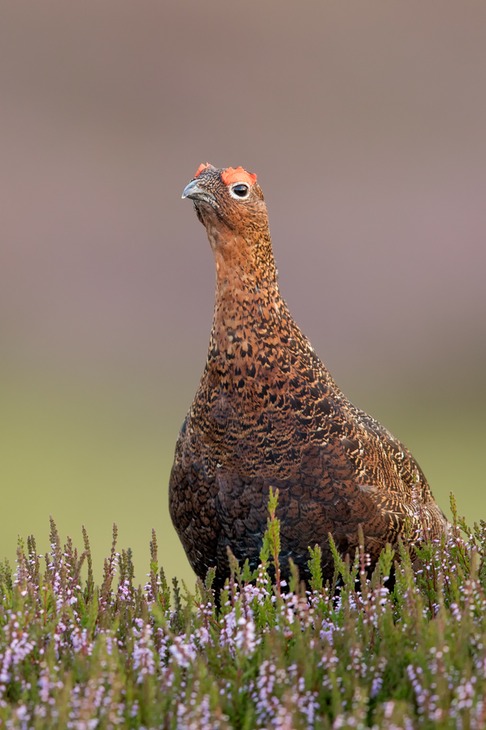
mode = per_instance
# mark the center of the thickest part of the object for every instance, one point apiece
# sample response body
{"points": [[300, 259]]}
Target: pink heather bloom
{"points": [[143, 653], [183, 651]]}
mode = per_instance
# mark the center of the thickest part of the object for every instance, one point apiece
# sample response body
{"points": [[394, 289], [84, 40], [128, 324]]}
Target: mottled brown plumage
{"points": [[268, 413]]}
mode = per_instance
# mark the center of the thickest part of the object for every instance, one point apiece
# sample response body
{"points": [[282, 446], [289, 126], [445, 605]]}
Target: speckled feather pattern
{"points": [[268, 413]]}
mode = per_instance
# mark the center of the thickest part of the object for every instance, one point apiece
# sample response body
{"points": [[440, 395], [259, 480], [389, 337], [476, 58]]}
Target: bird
{"points": [[268, 415]]}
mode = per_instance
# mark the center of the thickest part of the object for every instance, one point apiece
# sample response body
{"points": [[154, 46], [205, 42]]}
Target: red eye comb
{"points": [[203, 166], [237, 174]]}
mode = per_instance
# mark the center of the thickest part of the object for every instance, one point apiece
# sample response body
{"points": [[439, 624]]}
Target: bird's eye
{"points": [[239, 190]]}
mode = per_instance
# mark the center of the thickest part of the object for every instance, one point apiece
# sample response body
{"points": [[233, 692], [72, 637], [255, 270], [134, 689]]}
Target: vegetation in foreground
{"points": [[348, 655]]}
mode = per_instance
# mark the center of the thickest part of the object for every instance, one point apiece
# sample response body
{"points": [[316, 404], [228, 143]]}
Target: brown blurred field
{"points": [[365, 124]]}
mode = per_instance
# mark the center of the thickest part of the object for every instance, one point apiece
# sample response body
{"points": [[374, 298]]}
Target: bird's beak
{"points": [[195, 191]]}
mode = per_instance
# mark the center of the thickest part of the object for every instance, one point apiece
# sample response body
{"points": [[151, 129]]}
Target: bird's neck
{"points": [[249, 317], [244, 264], [254, 340]]}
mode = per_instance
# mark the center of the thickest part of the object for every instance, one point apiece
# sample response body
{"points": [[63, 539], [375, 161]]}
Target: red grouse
{"points": [[267, 413]]}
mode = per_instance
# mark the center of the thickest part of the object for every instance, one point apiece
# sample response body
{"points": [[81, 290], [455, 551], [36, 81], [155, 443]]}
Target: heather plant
{"points": [[404, 647]]}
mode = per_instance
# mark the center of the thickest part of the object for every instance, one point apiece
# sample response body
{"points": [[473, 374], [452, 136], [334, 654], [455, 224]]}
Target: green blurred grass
{"points": [[97, 453], [88, 455]]}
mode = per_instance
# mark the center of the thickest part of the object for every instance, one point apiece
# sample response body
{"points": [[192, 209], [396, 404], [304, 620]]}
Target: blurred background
{"points": [[366, 125]]}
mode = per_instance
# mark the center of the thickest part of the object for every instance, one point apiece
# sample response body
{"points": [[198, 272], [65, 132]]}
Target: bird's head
{"points": [[230, 204], [229, 195]]}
